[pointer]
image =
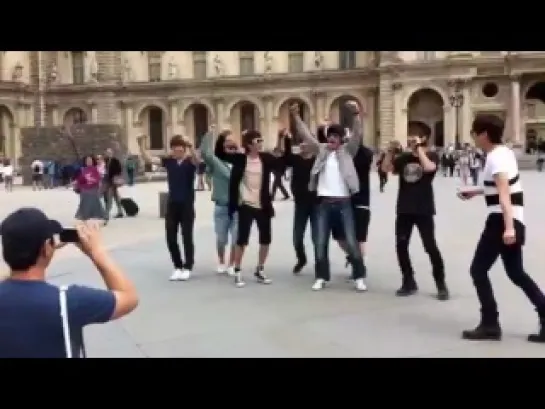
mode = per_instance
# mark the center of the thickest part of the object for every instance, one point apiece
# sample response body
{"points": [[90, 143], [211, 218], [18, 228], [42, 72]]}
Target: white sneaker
{"points": [[239, 282], [319, 284], [222, 269], [186, 274], [360, 285], [231, 271], [176, 275]]}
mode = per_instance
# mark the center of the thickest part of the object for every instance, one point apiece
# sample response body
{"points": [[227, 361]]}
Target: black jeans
{"points": [[180, 215], [474, 172], [277, 184], [305, 212], [426, 227], [383, 179], [489, 248]]}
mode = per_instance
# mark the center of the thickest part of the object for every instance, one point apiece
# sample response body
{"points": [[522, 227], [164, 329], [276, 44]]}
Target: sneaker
{"points": [[319, 284], [261, 277], [239, 282], [299, 266], [483, 333], [222, 269], [539, 337], [442, 292], [186, 274], [231, 271], [177, 275], [408, 288], [360, 285]]}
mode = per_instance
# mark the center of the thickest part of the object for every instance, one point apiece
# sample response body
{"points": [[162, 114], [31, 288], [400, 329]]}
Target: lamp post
{"points": [[457, 101]]}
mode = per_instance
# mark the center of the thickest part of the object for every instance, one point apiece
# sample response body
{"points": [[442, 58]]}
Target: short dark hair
{"points": [[93, 158], [218, 147], [491, 124], [249, 136], [335, 129], [418, 128], [320, 134], [177, 141]]}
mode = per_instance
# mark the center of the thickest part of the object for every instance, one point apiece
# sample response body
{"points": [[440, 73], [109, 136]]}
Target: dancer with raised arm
{"points": [[334, 178], [225, 225], [181, 165]]}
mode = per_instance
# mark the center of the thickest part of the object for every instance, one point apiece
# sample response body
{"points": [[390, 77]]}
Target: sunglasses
{"points": [[256, 141]]}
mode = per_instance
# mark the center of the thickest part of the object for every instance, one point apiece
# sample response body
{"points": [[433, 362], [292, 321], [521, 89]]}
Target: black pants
{"points": [[180, 215], [277, 184], [305, 212], [246, 216], [451, 169], [383, 179], [426, 227], [489, 248], [474, 172]]}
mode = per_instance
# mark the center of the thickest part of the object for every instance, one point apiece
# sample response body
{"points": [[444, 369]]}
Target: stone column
{"points": [[320, 109], [267, 122], [369, 118], [55, 118], [109, 73], [386, 107], [220, 114], [94, 112], [399, 115], [515, 109], [465, 113]]}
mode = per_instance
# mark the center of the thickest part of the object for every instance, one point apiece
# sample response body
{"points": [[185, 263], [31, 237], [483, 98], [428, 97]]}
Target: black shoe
{"points": [[348, 261], [483, 333], [442, 292], [538, 338], [408, 288], [119, 216], [299, 266], [261, 277]]}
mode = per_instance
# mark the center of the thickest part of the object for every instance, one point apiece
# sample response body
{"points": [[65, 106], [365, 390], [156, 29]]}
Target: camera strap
{"points": [[63, 290]]}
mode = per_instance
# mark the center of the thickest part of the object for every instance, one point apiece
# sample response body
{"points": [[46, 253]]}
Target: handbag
{"points": [[66, 325]]}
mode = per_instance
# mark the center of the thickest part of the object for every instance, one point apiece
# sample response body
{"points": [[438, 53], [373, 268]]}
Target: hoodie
{"points": [[218, 169]]}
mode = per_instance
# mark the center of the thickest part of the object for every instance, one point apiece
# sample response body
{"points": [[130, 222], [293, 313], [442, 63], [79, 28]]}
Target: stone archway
{"points": [[7, 135], [426, 106], [244, 115], [74, 116], [338, 112], [153, 120], [534, 105], [197, 120]]}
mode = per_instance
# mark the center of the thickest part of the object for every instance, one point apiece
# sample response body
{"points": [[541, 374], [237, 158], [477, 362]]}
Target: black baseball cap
{"points": [[25, 231]]}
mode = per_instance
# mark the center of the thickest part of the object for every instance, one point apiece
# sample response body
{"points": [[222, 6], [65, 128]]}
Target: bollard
{"points": [[163, 199]]}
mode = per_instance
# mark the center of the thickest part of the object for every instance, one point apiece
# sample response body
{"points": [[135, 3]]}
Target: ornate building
{"points": [[160, 93]]}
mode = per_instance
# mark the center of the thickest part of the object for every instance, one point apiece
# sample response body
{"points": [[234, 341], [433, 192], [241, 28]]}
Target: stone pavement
{"points": [[209, 317]]}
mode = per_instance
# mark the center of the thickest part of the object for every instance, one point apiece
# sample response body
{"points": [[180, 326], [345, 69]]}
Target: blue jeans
{"points": [[330, 213], [223, 225]]}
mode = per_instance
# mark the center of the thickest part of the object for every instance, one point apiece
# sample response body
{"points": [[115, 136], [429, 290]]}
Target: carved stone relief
{"points": [[218, 65], [268, 62]]}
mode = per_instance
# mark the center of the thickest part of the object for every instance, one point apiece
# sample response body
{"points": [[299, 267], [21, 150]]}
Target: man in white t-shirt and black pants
{"points": [[504, 231]]}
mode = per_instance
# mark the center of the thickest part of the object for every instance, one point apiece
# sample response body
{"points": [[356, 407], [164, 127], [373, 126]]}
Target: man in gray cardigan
{"points": [[335, 180]]}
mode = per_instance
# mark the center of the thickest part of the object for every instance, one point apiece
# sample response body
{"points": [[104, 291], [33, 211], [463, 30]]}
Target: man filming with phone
{"points": [[41, 320]]}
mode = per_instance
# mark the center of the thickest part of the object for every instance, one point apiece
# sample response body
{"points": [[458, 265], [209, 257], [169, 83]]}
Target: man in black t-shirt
{"points": [[416, 207], [382, 176]]}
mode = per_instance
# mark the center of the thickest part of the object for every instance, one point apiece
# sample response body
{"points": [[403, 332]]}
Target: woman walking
{"points": [[463, 166], [87, 184]]}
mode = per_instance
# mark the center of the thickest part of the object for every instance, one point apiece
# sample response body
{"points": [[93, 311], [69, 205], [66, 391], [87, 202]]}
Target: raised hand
{"points": [[353, 107], [294, 109]]}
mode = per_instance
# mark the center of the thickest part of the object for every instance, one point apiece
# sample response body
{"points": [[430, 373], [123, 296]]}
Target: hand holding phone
{"points": [[69, 236], [466, 194]]}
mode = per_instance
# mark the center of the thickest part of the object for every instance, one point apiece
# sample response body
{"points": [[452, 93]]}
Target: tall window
{"points": [[154, 66], [296, 61], [78, 67], [246, 62], [200, 122], [75, 116], [247, 116], [347, 60], [199, 65]]}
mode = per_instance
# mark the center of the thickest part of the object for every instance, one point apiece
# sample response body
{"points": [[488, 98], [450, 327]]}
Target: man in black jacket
{"points": [[112, 181], [305, 200], [250, 196]]}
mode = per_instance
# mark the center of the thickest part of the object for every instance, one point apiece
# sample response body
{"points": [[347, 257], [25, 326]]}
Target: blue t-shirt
{"points": [[30, 317], [180, 179]]}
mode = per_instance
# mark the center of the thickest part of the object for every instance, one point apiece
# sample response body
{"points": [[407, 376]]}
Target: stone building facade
{"points": [[161, 93]]}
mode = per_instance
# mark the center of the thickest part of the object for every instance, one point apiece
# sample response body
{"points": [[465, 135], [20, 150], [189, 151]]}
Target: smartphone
{"points": [[69, 236]]}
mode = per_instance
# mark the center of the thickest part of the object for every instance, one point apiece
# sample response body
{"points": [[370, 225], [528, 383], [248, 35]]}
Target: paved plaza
{"points": [[208, 317]]}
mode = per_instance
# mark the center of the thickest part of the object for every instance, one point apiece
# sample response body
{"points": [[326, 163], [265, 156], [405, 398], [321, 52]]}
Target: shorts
{"points": [[362, 216], [246, 217], [225, 225]]}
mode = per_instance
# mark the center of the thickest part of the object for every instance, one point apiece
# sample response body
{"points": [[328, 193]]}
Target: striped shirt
{"points": [[502, 160]]}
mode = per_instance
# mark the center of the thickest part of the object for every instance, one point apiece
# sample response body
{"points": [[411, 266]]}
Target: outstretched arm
{"points": [[148, 159], [356, 138], [301, 127], [212, 161]]}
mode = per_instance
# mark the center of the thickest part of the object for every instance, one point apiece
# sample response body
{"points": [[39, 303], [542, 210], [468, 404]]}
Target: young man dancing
{"points": [[250, 196], [305, 200], [416, 207], [504, 230], [181, 166], [335, 179], [360, 202], [220, 171]]}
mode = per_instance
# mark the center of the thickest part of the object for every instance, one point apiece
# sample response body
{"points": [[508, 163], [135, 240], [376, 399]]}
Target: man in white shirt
{"points": [[37, 169], [7, 172], [334, 178], [504, 231]]}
